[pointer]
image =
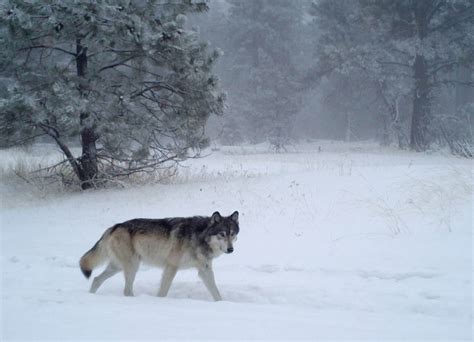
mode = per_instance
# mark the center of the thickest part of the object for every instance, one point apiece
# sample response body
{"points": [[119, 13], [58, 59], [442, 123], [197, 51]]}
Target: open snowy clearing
{"points": [[349, 243]]}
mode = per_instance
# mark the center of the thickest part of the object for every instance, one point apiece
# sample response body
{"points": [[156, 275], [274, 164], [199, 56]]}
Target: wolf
{"points": [[169, 243]]}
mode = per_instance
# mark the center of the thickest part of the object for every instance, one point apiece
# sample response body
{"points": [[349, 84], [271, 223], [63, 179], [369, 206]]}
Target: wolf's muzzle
{"points": [[230, 250]]}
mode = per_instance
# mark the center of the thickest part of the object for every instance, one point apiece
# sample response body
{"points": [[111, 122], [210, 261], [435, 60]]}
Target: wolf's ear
{"points": [[216, 217], [235, 216]]}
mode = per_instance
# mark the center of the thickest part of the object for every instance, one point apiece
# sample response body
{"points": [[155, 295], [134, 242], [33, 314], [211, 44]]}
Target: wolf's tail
{"points": [[95, 256]]}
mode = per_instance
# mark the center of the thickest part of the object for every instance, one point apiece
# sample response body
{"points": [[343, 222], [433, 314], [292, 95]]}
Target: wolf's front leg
{"points": [[166, 279], [207, 276]]}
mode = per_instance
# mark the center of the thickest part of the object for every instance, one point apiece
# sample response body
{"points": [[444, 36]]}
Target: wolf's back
{"points": [[96, 255]]}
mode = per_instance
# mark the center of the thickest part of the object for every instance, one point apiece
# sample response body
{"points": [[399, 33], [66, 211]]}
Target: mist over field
{"points": [[341, 132]]}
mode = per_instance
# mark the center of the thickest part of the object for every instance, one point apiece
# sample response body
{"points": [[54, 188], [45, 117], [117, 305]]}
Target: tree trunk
{"points": [[88, 159], [421, 106], [348, 133], [386, 139], [421, 97]]}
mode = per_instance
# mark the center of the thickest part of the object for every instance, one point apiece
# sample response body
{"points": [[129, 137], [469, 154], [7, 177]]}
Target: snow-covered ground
{"points": [[352, 242]]}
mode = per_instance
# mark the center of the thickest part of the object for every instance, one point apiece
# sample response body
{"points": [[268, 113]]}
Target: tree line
{"points": [[133, 83], [399, 71]]}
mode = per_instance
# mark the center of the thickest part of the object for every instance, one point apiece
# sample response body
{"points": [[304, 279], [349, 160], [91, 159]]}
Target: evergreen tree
{"points": [[405, 45], [127, 77], [264, 76]]}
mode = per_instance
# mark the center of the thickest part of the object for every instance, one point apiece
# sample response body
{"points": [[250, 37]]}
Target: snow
{"points": [[352, 242]]}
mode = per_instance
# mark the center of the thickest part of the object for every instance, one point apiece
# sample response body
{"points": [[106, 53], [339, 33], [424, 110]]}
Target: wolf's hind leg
{"points": [[109, 271], [123, 254], [207, 276], [166, 279], [130, 270]]}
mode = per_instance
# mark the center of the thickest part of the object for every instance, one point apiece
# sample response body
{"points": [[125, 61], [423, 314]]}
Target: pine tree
{"points": [[263, 71], [403, 45], [127, 77]]}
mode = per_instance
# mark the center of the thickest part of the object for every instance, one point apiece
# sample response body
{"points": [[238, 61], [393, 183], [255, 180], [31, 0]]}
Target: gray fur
{"points": [[170, 243]]}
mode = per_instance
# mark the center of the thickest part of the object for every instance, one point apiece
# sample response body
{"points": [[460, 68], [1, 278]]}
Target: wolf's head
{"points": [[222, 232]]}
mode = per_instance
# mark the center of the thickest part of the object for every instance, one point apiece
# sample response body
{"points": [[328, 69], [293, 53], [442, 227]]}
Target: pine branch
{"points": [[48, 47]]}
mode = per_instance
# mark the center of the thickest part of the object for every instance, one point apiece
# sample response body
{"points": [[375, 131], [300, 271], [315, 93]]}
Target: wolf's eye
{"points": [[222, 234]]}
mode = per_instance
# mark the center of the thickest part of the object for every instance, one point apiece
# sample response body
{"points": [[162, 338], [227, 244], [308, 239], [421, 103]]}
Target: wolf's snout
{"points": [[230, 250]]}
